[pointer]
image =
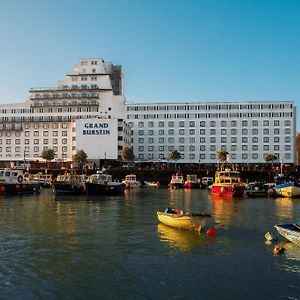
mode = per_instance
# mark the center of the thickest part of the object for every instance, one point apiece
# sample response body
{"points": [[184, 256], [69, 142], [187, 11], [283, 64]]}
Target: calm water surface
{"points": [[113, 248]]}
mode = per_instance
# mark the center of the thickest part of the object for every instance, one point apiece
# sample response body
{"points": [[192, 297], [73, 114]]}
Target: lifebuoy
{"points": [[20, 178]]}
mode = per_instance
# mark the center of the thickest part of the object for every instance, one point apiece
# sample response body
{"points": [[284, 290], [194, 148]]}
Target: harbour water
{"points": [[80, 247]]}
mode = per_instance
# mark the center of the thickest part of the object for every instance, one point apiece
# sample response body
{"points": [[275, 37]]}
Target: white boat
{"points": [[290, 231], [131, 182], [176, 182], [288, 189], [43, 179]]}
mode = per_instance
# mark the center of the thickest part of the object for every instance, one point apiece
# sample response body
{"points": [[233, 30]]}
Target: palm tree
{"points": [[270, 157], [174, 155]]}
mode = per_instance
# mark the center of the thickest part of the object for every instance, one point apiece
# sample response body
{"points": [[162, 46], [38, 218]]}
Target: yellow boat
{"points": [[183, 220]]}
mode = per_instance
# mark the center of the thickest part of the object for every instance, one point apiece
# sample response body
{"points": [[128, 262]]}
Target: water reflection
{"points": [[284, 209]]}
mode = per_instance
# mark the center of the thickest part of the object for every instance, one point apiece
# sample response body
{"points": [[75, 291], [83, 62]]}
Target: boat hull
{"points": [[104, 189], [191, 185], [228, 190], [290, 231], [290, 190], [22, 188], [183, 221], [68, 189]]}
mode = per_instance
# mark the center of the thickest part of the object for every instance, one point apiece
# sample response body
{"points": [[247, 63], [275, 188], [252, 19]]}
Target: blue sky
{"points": [[197, 50]]}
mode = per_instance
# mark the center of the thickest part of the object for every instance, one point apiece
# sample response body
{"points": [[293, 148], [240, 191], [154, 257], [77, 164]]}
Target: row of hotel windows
{"points": [[214, 148], [35, 126], [35, 141], [35, 149], [212, 156], [232, 123], [210, 107], [210, 116]]}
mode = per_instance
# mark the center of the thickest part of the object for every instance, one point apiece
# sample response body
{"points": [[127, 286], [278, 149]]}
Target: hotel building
{"points": [[87, 110]]}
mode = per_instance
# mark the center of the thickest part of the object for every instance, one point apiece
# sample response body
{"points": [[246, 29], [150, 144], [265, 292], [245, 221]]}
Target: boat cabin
{"points": [[100, 178], [11, 176], [227, 176]]}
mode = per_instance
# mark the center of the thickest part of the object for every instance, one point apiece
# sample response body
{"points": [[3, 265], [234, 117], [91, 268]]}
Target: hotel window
{"points": [[244, 147], [150, 148], [287, 155], [266, 148], [55, 148], [36, 141], [161, 132], [181, 148], [36, 133], [254, 123], [171, 131], [17, 149], [36, 126], [212, 123], [287, 122], [161, 156], [266, 131], [234, 140], [287, 131], [26, 149], [276, 131], [233, 155], [276, 139], [54, 125], [150, 132], [181, 140], [233, 123], [212, 148], [27, 126], [202, 148], [181, 131], [8, 149], [192, 156], [233, 131], [64, 125], [45, 141], [161, 148], [266, 123], [26, 141], [287, 139], [36, 149], [192, 123], [276, 123], [64, 141], [266, 139], [255, 139], [244, 123], [170, 148], [171, 124], [64, 133], [18, 133], [192, 147], [64, 149], [202, 140], [212, 156], [255, 147], [150, 156], [150, 140], [161, 124], [141, 148], [223, 139], [161, 140], [255, 156], [223, 131], [233, 147], [223, 123], [141, 156], [287, 147], [141, 140], [244, 139], [8, 133], [170, 140], [54, 141], [192, 131], [212, 131], [8, 141], [181, 124], [46, 126], [17, 141], [141, 124], [26, 133], [213, 139], [254, 131], [202, 131], [276, 147], [141, 132], [45, 133], [192, 139], [244, 156], [202, 124], [202, 156]]}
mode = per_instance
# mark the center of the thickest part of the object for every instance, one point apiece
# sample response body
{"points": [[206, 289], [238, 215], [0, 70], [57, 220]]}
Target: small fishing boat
{"points": [[256, 189], [288, 189], [13, 181], [176, 181], [290, 231], [131, 182], [192, 182], [69, 184], [228, 183], [207, 182], [151, 184], [183, 220], [102, 184]]}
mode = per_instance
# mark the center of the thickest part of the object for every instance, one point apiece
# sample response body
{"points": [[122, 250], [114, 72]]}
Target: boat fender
{"points": [[223, 189], [20, 178]]}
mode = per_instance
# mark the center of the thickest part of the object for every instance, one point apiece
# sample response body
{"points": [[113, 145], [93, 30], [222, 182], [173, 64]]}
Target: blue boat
{"points": [[288, 189]]}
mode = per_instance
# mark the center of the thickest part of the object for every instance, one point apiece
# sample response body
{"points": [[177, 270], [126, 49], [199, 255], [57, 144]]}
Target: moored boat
{"points": [[151, 184], [102, 184], [290, 231], [256, 189], [207, 181], [288, 189], [182, 220], [176, 182], [13, 181], [192, 181], [69, 184], [228, 183], [131, 182]]}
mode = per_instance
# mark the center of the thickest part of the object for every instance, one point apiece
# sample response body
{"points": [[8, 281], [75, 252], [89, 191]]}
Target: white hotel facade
{"points": [[88, 111]]}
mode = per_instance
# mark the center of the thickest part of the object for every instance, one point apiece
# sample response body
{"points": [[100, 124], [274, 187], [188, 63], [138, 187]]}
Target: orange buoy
{"points": [[211, 232]]}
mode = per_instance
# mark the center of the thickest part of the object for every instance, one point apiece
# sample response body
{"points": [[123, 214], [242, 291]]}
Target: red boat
{"points": [[228, 183], [192, 182]]}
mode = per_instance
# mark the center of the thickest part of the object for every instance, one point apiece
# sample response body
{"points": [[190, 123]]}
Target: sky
{"points": [[171, 50]]}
